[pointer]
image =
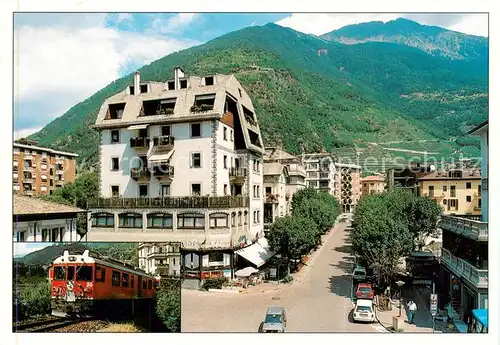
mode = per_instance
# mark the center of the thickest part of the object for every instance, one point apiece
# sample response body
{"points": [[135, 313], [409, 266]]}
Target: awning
{"points": [[134, 127], [246, 272], [258, 253], [160, 157]]}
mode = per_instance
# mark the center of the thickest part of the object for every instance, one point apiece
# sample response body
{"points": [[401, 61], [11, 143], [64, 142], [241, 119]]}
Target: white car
{"points": [[363, 311]]}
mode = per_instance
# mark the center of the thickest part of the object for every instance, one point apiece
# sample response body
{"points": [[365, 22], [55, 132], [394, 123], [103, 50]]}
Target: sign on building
{"points": [[434, 304]]}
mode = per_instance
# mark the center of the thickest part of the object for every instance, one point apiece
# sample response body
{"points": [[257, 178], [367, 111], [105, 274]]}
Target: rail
{"points": [[171, 202], [478, 277], [472, 228]]}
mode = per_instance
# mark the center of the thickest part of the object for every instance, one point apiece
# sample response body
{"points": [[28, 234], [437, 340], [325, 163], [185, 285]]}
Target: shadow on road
{"points": [[340, 285], [350, 316], [344, 249], [260, 327]]}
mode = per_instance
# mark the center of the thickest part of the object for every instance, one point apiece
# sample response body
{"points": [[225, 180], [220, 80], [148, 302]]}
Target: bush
{"points": [[168, 304], [33, 300], [214, 283]]}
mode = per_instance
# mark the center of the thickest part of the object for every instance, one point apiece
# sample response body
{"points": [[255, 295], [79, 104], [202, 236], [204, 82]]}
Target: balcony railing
{"points": [[140, 173], [470, 228], [165, 140], [28, 168], [171, 202], [272, 198], [27, 180], [139, 142], [478, 277], [163, 170], [324, 176], [238, 172]]}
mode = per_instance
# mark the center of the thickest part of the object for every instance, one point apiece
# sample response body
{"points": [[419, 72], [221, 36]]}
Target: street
{"points": [[317, 301]]}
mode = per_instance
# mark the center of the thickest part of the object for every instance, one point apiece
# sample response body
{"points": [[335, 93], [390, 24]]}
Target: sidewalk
{"points": [[422, 318]]}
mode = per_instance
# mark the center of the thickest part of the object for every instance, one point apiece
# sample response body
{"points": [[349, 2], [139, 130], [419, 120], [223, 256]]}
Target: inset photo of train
{"points": [[96, 287]]}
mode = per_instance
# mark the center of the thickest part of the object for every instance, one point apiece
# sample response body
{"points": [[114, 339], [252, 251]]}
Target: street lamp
{"points": [[400, 284]]}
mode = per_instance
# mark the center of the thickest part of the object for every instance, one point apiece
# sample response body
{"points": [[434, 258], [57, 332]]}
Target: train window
{"points": [[124, 280], [100, 274], [84, 273], [150, 284], [59, 273], [71, 273], [115, 278], [132, 282], [144, 286]]}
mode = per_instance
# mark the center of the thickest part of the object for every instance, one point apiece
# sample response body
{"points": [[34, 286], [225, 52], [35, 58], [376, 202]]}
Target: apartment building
{"points": [[36, 220], [464, 252], [38, 170], [458, 191], [372, 184], [161, 259], [348, 182], [284, 175], [181, 161], [321, 172]]}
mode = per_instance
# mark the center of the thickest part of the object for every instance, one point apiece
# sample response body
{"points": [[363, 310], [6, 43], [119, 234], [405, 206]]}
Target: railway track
{"points": [[46, 325]]}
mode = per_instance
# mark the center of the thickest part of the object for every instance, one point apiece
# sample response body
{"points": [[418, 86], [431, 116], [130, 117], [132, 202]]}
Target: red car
{"points": [[364, 291]]}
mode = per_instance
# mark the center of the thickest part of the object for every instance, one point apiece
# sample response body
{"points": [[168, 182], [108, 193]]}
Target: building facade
{"points": [[38, 170], [321, 172], [181, 161], [161, 259], [36, 220], [464, 254], [457, 191], [372, 184], [349, 186]]}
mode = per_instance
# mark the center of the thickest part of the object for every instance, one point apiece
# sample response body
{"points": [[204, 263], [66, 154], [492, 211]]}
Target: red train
{"points": [[87, 284]]}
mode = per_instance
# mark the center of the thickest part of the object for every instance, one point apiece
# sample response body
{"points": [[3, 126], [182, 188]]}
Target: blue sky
{"points": [[23, 248], [63, 58]]}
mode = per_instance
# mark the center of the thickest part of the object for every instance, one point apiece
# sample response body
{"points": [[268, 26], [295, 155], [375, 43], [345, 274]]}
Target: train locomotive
{"points": [[88, 284]]}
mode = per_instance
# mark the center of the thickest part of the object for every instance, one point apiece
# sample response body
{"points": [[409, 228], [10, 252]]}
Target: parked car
{"points": [[363, 311], [359, 274], [364, 291], [275, 321]]}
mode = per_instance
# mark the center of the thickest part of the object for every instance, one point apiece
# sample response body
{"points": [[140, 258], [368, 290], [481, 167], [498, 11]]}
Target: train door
{"points": [[139, 286], [70, 284]]}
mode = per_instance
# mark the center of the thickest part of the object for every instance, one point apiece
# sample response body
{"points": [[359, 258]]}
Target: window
{"points": [[444, 201], [115, 191], [233, 219], [130, 220], [218, 220], [203, 103], [165, 130], [115, 136], [71, 272], [225, 133], [115, 111], [132, 282], [479, 190], [100, 274], [479, 203], [144, 284], [103, 220], [164, 106], [143, 190], [452, 203], [115, 164], [209, 81], [231, 135], [225, 162], [254, 191], [144, 88], [171, 85], [431, 191], [196, 160], [131, 90], [164, 190], [216, 257], [453, 192], [225, 189], [468, 198], [195, 130], [160, 220], [150, 284], [245, 217], [115, 278], [195, 189], [468, 185], [239, 218], [84, 273], [59, 273], [125, 280], [254, 217], [258, 216], [191, 221], [445, 188], [183, 84], [239, 91]]}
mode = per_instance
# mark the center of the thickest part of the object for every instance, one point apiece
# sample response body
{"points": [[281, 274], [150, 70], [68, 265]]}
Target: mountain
{"points": [[431, 39], [48, 254], [309, 92]]}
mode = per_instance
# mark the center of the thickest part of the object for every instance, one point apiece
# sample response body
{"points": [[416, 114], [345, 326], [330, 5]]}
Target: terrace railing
{"points": [[171, 202], [462, 268], [467, 227]]}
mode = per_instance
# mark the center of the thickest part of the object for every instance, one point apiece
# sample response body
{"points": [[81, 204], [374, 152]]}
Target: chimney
{"points": [[137, 83], [178, 73]]}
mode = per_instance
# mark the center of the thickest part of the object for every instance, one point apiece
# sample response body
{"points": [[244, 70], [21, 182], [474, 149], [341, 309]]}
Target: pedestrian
{"points": [[412, 308]]}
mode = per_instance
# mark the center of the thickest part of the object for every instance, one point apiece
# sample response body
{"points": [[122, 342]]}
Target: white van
{"points": [[363, 311]]}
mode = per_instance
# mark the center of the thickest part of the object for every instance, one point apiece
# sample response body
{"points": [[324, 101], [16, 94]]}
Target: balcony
{"points": [[139, 142], [463, 269], [272, 198], [28, 168], [29, 192], [471, 228], [28, 156], [237, 173], [166, 141], [28, 180], [163, 171], [140, 174], [216, 202], [324, 176]]}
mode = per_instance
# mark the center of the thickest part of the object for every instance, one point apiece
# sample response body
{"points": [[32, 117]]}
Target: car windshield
{"points": [[359, 273], [365, 289], [273, 318], [363, 308]]}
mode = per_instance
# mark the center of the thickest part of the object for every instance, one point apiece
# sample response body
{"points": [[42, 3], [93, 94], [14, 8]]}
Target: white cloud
{"points": [[321, 23], [23, 133], [65, 65], [173, 24], [124, 16], [22, 248]]}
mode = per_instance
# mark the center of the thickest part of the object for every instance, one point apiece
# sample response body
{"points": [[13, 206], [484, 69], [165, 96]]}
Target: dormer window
{"points": [[144, 88], [203, 103], [209, 81], [158, 107], [131, 90], [171, 85], [183, 84], [115, 111]]}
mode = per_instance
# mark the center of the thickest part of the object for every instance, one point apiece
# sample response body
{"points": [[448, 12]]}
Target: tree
{"points": [[168, 304], [299, 196], [319, 212], [423, 214]]}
